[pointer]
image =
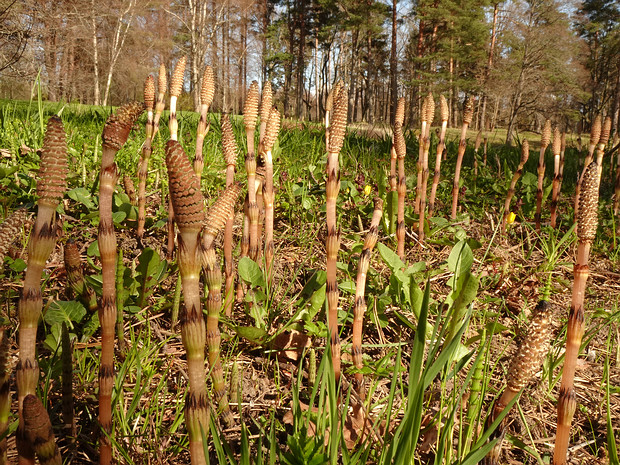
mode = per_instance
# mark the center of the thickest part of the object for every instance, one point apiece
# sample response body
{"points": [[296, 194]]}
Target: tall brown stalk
{"points": [[557, 150], [216, 219], [562, 152], [188, 204], [51, 187], [587, 221], [602, 143], [401, 151], [398, 120], [445, 114], [207, 91], [544, 142], [250, 116], [359, 309], [176, 86], [229, 147], [271, 134], [5, 393], [329, 108], [476, 148], [115, 134], [468, 114], [332, 245], [426, 141], [423, 130], [149, 102], [525, 153], [595, 135], [162, 85], [266, 103], [523, 366], [75, 276]]}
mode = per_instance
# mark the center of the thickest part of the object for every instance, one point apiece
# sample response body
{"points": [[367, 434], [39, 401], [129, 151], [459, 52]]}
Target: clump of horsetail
{"points": [[557, 150], [9, 231], [445, 114], [149, 102], [266, 103], [359, 309], [215, 220], [38, 431], [75, 276], [229, 148], [188, 204], [51, 187], [176, 85], [595, 135], [525, 153], [401, 151], [332, 187], [544, 142], [5, 394], [207, 91], [587, 221], [250, 116], [468, 114], [271, 134], [115, 134], [162, 85], [426, 141], [525, 363]]}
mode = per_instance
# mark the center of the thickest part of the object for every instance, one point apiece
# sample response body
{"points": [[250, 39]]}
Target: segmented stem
{"points": [[587, 221], [544, 142], [229, 146], [50, 190], [188, 204], [271, 134], [266, 103], [5, 393], [595, 135], [426, 142], [401, 152], [149, 100], [445, 114], [332, 245], [162, 85], [115, 134], [525, 153], [68, 418], [75, 276], [38, 431], [557, 150], [468, 113], [250, 116], [360, 287]]}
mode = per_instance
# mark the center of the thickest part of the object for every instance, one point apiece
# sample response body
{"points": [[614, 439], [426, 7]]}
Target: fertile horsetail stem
{"points": [[562, 152], [266, 102], [424, 118], [332, 187], [426, 142], [38, 431], [360, 286], [468, 114], [557, 149], [75, 276], [216, 219], [524, 365], [271, 134], [250, 116], [398, 121], [401, 151], [207, 91], [329, 108], [445, 114], [544, 142], [51, 187], [595, 135], [602, 142], [68, 418], [176, 85], [525, 153], [162, 85], [9, 231], [149, 101], [476, 148], [587, 221], [229, 148], [115, 134], [188, 204]]}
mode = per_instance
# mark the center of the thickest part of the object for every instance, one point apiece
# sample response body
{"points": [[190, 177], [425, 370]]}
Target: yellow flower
{"points": [[367, 190], [511, 218]]}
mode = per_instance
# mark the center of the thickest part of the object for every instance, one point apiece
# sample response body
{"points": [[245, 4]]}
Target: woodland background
{"points": [[525, 61]]}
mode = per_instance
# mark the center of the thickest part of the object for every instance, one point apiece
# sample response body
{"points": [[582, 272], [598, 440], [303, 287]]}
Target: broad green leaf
{"points": [[347, 286], [390, 257], [60, 311], [151, 270], [252, 334], [7, 171], [461, 258], [83, 196], [250, 272]]}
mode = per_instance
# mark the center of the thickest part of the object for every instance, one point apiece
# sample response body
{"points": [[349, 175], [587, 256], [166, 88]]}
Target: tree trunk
{"points": [[487, 73], [393, 67], [301, 59], [93, 24]]}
